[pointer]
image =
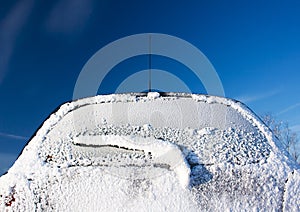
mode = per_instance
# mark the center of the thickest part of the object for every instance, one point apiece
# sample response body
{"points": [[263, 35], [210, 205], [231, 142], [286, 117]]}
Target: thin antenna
{"points": [[150, 61]]}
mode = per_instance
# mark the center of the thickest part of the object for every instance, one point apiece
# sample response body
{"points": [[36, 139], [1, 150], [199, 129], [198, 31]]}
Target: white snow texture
{"points": [[139, 152]]}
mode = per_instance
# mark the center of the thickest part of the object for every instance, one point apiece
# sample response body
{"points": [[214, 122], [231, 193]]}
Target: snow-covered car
{"points": [[152, 152]]}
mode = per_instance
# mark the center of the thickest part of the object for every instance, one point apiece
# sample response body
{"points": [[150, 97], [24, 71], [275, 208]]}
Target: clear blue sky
{"points": [[253, 45]]}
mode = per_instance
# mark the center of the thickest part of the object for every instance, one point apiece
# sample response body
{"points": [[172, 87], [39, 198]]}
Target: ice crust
{"points": [[174, 152]]}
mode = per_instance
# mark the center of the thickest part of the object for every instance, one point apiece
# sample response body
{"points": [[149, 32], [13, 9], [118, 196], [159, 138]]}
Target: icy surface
{"points": [[159, 153]]}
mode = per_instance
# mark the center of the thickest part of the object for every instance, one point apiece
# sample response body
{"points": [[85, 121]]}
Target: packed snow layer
{"points": [[131, 152]]}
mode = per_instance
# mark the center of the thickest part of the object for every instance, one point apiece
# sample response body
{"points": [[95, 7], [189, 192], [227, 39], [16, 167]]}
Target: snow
{"points": [[153, 95], [161, 152], [129, 152], [292, 197]]}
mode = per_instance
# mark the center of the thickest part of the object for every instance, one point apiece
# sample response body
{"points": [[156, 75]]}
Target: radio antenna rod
{"points": [[150, 61]]}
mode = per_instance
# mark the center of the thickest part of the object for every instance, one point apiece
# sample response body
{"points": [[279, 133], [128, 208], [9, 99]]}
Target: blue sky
{"points": [[253, 45]]}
